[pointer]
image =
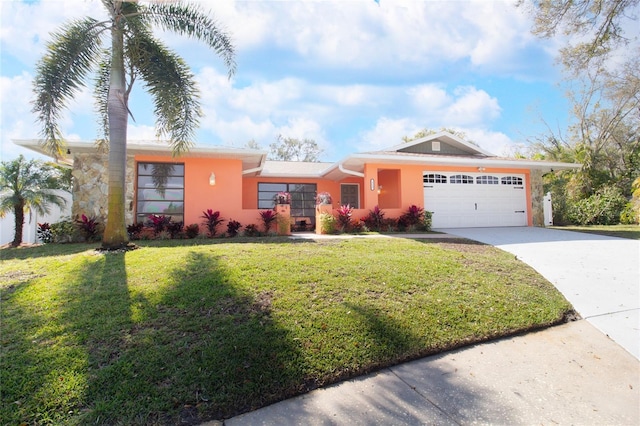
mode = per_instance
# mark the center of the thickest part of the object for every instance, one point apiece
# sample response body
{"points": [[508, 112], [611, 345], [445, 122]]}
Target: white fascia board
{"points": [[462, 161]]}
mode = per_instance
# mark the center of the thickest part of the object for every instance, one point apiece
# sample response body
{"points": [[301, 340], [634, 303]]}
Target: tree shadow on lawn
{"points": [[45, 250], [417, 392], [55, 353], [232, 356]]}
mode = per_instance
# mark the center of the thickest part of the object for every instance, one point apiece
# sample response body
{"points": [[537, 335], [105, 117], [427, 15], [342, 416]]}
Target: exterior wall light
{"points": [[372, 184], [481, 169], [379, 189], [212, 179]]}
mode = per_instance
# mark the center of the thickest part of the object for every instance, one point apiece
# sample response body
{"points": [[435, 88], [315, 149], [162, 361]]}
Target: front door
{"points": [[350, 194]]}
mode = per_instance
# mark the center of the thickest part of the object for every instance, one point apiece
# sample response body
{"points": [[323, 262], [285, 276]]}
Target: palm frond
{"points": [[172, 86], [61, 73], [30, 183], [190, 20]]}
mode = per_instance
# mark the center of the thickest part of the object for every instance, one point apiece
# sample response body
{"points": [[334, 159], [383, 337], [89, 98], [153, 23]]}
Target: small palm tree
{"points": [[130, 52], [28, 185]]}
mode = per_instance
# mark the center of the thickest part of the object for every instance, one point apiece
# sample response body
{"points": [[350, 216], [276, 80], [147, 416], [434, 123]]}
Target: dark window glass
{"points": [[461, 179], [303, 196], [511, 180], [160, 190], [487, 180], [434, 178]]}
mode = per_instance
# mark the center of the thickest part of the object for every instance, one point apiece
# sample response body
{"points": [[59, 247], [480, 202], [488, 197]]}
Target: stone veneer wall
{"points": [[91, 185], [537, 198]]}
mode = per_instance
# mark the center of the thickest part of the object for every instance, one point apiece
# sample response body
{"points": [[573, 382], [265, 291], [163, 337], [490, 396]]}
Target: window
{"points": [[303, 197], [160, 190], [461, 179], [434, 178], [511, 180], [350, 194], [487, 180]]}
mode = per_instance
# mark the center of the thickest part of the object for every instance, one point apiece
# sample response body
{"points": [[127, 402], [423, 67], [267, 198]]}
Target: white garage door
{"points": [[468, 200]]}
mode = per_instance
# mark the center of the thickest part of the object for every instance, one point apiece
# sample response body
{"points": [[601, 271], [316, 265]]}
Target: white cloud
{"points": [[495, 142], [16, 119], [26, 27], [387, 133], [472, 107]]}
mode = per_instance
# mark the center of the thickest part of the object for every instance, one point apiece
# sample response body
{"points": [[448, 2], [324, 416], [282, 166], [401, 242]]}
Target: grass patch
{"points": [[631, 232], [180, 333]]}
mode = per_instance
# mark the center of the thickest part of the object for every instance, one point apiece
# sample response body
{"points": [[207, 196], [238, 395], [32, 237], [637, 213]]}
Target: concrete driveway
{"points": [[599, 275]]}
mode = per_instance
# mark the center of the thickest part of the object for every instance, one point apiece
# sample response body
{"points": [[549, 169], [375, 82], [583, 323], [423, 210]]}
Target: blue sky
{"points": [[354, 75]]}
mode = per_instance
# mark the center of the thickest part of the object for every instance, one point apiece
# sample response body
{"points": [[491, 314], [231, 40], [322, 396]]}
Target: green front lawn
{"points": [[188, 331], [631, 232]]}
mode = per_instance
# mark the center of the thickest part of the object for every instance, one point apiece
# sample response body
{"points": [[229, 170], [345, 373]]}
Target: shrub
{"points": [[233, 226], [267, 217], [412, 218], [211, 221], [158, 222], [602, 208], [374, 220], [174, 229], [357, 227], [134, 230], [389, 224], [251, 230], [163, 235], [327, 223], [63, 231], [629, 215], [88, 227], [44, 233], [427, 221], [344, 217], [192, 230]]}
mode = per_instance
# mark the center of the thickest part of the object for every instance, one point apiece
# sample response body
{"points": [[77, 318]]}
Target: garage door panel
{"points": [[477, 205]]}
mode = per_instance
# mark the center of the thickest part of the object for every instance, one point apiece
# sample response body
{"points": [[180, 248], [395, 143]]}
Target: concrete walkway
{"points": [[599, 275], [569, 374]]}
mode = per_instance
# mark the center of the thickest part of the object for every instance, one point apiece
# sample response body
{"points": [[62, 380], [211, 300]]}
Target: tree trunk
{"points": [[18, 211], [115, 233]]}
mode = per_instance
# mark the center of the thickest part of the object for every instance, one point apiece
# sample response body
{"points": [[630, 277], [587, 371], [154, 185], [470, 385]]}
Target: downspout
{"points": [[349, 172]]}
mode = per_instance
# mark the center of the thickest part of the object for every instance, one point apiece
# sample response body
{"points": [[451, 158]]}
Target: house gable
{"points": [[441, 143]]}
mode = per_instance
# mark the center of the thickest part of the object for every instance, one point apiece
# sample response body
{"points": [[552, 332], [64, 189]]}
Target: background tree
{"points": [[601, 66], [28, 185], [595, 28], [252, 144], [120, 50], [292, 149]]}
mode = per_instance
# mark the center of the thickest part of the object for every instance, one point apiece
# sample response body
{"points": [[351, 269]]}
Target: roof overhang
{"points": [[252, 160], [354, 164]]}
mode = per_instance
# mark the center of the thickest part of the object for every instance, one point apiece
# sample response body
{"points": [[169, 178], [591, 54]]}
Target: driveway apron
{"points": [[599, 275]]}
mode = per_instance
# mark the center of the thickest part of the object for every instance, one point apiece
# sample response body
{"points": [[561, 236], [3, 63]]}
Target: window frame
{"points": [[141, 215]]}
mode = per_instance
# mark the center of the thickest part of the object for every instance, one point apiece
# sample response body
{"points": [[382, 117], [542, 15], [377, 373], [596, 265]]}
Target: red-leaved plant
{"points": [[268, 217], [88, 227], [375, 219], [412, 217], [158, 222], [233, 226], [344, 217], [211, 221]]}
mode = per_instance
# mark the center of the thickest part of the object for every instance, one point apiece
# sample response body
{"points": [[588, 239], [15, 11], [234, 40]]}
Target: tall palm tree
{"points": [[28, 185], [130, 52]]}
